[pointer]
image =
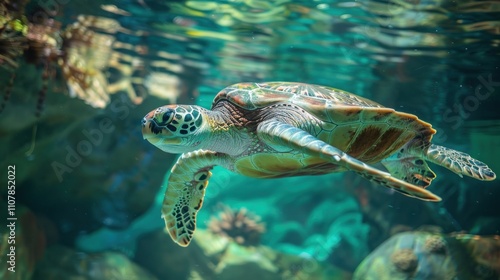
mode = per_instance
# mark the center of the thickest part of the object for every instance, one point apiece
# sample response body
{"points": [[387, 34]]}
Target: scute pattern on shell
{"points": [[257, 95], [360, 127]]}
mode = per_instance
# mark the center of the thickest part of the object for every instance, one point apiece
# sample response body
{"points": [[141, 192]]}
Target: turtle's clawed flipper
{"points": [[410, 169], [185, 192], [460, 163], [387, 180], [280, 135]]}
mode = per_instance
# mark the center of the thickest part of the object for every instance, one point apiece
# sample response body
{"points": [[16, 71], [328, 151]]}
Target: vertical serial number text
{"points": [[11, 217]]}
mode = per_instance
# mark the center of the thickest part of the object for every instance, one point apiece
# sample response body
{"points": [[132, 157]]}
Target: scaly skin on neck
{"points": [[222, 132], [185, 128]]}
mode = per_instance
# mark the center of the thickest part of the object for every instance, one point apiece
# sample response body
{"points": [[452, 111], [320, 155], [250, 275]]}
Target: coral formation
{"points": [[240, 225], [43, 42], [13, 25], [435, 244], [405, 260], [81, 53], [85, 57], [425, 255]]}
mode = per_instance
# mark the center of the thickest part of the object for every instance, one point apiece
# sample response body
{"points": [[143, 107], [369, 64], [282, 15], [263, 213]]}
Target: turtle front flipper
{"points": [[281, 136], [459, 162], [185, 192]]}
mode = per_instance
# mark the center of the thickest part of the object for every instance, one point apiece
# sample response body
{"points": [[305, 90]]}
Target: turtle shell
{"points": [[360, 127]]}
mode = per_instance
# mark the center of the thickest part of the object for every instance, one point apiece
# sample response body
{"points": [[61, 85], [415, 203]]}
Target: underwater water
{"points": [[82, 191]]}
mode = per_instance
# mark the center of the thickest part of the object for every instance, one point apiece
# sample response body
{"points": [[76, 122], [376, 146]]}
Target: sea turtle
{"points": [[283, 129]]}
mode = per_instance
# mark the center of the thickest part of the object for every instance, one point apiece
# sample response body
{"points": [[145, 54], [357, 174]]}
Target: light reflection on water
{"points": [[423, 55], [330, 42]]}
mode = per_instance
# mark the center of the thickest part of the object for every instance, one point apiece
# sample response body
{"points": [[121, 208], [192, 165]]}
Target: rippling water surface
{"points": [[422, 54]]}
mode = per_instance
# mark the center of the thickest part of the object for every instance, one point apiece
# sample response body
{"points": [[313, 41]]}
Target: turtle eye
{"points": [[167, 117]]}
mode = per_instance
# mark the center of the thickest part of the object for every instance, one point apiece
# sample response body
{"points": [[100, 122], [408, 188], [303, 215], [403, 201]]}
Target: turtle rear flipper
{"points": [[459, 162], [409, 168]]}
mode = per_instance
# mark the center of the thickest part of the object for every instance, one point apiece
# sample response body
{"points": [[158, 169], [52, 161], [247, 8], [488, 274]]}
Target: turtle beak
{"points": [[149, 126], [145, 128], [155, 132]]}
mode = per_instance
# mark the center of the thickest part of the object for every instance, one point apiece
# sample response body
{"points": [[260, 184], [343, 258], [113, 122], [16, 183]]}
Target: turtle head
{"points": [[174, 128]]}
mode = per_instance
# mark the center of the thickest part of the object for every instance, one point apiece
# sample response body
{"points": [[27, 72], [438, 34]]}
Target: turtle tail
{"points": [[459, 162]]}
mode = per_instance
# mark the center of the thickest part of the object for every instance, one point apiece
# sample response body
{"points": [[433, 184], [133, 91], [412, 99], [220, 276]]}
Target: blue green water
{"points": [[89, 188]]}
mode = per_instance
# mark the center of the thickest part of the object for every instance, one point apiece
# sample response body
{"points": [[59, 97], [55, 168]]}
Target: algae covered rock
{"points": [[265, 263], [240, 262], [425, 255], [213, 256], [65, 263], [234, 261], [156, 252]]}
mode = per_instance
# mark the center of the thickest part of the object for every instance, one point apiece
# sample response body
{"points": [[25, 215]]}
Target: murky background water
{"points": [[78, 76]]}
